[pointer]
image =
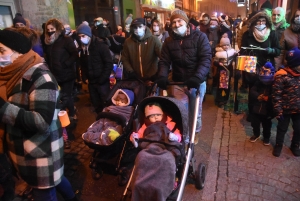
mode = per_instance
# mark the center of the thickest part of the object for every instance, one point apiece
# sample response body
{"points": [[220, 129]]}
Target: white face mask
{"points": [[156, 28], [97, 23], [260, 27], [297, 20], [180, 30], [140, 32], [5, 60], [213, 26], [85, 40]]}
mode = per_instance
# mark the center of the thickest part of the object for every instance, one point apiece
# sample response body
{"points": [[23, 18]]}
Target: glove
{"points": [[270, 50], [132, 75], [134, 138], [280, 117], [193, 82], [162, 82], [173, 137]]}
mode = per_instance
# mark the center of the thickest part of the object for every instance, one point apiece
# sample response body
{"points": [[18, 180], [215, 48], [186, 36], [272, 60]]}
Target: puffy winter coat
{"points": [[261, 107], [141, 56], [286, 93], [97, 60], [60, 57], [189, 55]]}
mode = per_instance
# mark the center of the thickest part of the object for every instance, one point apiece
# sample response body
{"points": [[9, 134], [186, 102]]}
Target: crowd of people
{"points": [[40, 74]]}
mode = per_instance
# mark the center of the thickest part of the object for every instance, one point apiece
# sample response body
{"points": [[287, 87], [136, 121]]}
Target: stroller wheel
{"points": [[97, 174], [200, 176]]}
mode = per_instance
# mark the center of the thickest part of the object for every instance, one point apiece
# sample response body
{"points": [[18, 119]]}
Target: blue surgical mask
{"points": [[260, 27], [297, 20], [140, 32], [5, 60], [85, 40], [213, 26]]}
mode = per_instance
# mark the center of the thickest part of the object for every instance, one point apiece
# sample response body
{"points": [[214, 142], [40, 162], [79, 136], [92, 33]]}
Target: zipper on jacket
{"points": [[184, 74], [140, 59]]}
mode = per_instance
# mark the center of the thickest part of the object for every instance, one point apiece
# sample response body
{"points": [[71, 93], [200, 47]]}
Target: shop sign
{"points": [[168, 4]]}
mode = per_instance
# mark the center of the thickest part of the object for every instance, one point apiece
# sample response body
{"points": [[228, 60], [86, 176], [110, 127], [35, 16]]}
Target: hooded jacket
{"points": [[97, 60], [271, 42], [189, 56], [141, 56]]}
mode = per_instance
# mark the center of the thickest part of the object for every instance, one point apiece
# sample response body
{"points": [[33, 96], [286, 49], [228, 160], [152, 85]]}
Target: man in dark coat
{"points": [[188, 51], [99, 30], [95, 57]]}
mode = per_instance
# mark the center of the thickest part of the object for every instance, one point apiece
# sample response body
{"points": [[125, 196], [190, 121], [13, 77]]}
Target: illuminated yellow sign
{"points": [[168, 4]]}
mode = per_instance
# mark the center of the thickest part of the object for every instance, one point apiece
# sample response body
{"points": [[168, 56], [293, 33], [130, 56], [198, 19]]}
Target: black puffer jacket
{"points": [[261, 107], [189, 55], [60, 57], [97, 60]]}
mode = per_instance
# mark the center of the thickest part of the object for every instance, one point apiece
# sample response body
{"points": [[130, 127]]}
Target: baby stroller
{"points": [[185, 164], [108, 158]]}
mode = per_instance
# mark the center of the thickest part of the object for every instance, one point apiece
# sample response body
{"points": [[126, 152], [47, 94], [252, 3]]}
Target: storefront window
{"points": [[6, 19]]}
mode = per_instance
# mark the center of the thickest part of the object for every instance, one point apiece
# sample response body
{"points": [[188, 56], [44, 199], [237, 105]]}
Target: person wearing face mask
{"points": [[60, 54], [99, 30], [141, 52], [290, 37], [280, 24], [261, 34], [127, 31], [157, 30], [29, 104], [189, 52], [97, 63]]}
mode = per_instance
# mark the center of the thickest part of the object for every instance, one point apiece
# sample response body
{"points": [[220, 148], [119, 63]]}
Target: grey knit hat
{"points": [[179, 14], [84, 29]]}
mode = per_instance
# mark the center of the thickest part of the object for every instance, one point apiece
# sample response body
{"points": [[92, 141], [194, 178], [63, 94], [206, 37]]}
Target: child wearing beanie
{"points": [[154, 113], [260, 96], [285, 98], [223, 61]]}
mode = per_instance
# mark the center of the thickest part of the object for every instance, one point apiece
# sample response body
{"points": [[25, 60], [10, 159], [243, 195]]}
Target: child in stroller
{"points": [[159, 138], [105, 130], [154, 113]]}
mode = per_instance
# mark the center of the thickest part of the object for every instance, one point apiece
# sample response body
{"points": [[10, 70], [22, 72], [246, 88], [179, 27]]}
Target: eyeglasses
{"points": [[261, 22], [153, 116]]}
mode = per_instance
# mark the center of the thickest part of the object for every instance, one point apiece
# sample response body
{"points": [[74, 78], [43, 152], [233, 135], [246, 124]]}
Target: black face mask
{"points": [[50, 33]]}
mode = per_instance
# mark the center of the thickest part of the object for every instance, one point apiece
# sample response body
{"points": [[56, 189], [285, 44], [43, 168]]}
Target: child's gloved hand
{"points": [[134, 139], [173, 137]]}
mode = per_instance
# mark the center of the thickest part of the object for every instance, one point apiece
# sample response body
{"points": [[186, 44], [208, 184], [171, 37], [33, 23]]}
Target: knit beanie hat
{"points": [[267, 5], [128, 93], [152, 109], [293, 57], [266, 73], [179, 14], [16, 41], [224, 41], [19, 19], [84, 29]]}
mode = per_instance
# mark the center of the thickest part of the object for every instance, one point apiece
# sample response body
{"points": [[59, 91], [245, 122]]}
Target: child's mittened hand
{"points": [[134, 139], [173, 137]]}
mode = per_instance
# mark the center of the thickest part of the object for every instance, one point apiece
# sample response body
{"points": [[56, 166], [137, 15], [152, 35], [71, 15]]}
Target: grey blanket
{"points": [[122, 110], [155, 168], [95, 134]]}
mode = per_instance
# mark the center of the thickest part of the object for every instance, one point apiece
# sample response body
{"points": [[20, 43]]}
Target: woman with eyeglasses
{"points": [[261, 41]]}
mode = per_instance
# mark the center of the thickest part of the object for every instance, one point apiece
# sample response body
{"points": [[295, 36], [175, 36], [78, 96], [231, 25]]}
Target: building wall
{"points": [[127, 6], [39, 11], [212, 6]]}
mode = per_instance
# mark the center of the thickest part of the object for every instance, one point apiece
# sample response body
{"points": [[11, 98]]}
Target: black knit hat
{"points": [[138, 21], [19, 19], [15, 40]]}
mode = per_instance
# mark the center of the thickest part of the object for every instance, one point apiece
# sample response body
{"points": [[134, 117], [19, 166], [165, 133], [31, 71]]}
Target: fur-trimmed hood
{"points": [[256, 15]]}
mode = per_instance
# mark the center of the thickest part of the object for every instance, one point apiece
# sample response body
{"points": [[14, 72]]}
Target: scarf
{"points": [[159, 37], [11, 75], [295, 27], [292, 72], [278, 25], [51, 39], [261, 36]]}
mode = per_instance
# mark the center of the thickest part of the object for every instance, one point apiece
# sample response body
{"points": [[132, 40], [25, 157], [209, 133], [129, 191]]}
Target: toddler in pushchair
{"points": [[160, 169], [108, 134]]}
